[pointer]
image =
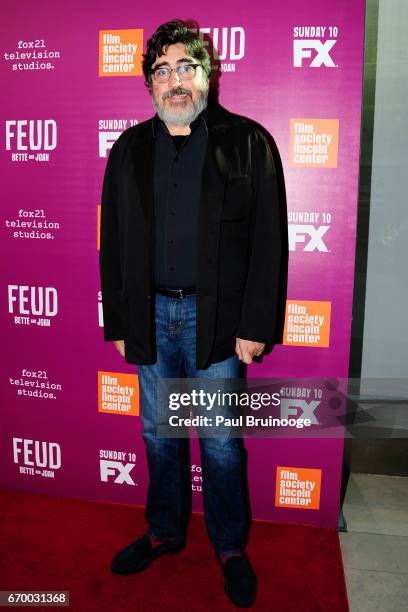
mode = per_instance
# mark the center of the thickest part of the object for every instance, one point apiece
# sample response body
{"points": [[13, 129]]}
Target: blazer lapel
{"points": [[214, 181], [216, 165], [143, 166]]}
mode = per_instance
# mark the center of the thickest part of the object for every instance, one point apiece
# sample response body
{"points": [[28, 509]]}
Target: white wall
{"points": [[385, 339]]}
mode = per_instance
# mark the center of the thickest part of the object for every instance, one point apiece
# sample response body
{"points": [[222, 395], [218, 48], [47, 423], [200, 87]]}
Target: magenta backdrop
{"points": [[273, 71]]}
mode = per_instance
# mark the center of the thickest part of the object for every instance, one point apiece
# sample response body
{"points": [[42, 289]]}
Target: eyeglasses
{"points": [[185, 72]]}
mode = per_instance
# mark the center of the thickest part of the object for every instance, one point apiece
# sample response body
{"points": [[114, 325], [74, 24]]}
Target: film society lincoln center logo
{"points": [[298, 488], [120, 52], [307, 323], [314, 143], [118, 393]]}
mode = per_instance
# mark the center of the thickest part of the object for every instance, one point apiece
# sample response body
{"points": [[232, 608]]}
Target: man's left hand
{"points": [[248, 349]]}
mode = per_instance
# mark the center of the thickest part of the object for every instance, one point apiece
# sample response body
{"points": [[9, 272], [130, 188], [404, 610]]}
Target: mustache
{"points": [[176, 91]]}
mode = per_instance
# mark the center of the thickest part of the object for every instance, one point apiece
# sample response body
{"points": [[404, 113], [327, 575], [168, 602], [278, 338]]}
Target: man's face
{"points": [[179, 102]]}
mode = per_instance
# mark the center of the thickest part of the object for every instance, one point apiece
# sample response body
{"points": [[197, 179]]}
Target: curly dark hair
{"points": [[170, 33]]}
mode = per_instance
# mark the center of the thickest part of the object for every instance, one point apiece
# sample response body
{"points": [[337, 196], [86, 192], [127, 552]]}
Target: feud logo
{"points": [[38, 301], [36, 453], [31, 135], [228, 43]]}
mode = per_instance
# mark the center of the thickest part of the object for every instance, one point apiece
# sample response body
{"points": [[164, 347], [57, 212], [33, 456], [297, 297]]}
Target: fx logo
{"points": [[109, 468], [299, 408], [106, 140], [303, 49], [310, 235]]}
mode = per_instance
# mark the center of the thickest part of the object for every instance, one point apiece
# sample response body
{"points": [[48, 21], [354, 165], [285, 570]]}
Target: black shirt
{"points": [[178, 163], [179, 141]]}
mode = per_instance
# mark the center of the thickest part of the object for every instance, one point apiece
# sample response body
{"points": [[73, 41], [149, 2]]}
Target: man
{"points": [[190, 260]]}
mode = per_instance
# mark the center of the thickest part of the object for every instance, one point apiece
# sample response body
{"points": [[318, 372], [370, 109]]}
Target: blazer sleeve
{"points": [[261, 295], [109, 257]]}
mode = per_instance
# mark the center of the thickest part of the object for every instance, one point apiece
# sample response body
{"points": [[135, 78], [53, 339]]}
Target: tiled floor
{"points": [[375, 549]]}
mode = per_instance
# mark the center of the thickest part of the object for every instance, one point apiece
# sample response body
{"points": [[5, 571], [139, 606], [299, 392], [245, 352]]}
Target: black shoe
{"points": [[240, 582], [139, 554]]}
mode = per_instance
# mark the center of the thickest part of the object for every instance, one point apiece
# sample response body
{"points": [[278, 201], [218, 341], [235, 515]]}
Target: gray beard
{"points": [[185, 116]]}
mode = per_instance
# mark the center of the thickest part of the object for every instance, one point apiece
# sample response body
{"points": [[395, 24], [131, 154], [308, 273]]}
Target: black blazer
{"points": [[241, 235]]}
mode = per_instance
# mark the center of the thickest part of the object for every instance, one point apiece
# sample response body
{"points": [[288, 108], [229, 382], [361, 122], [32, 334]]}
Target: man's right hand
{"points": [[120, 345]]}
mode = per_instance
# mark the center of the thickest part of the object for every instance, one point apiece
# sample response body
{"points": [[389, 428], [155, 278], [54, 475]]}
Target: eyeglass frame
{"points": [[195, 66]]}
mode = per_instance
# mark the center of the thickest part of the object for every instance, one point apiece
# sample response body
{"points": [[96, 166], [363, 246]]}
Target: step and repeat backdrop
{"points": [[72, 82]]}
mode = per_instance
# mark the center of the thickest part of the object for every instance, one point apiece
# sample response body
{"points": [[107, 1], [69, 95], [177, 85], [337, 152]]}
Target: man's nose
{"points": [[174, 79]]}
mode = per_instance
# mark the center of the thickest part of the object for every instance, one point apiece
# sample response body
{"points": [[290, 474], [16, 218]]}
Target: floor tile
{"points": [[377, 504], [370, 591], [375, 552]]}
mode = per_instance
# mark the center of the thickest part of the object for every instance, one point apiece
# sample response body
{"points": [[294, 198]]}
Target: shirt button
{"points": [[174, 185], [172, 268]]}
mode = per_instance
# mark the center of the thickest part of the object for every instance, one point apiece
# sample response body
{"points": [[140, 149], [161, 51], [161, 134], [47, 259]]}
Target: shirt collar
{"points": [[202, 118]]}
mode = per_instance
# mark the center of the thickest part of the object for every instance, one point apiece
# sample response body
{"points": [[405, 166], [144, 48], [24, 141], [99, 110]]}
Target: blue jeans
{"points": [[225, 497]]}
